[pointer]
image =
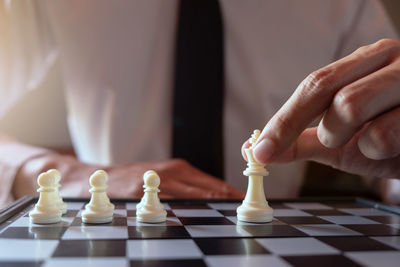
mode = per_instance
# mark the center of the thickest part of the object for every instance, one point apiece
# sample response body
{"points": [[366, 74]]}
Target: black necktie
{"points": [[198, 96]]}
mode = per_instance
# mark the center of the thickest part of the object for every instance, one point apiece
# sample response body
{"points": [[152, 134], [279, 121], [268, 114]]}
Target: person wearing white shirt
{"points": [[117, 60]]}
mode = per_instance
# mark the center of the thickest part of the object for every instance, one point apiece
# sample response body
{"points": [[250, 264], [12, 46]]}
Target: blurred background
{"points": [[40, 119]]}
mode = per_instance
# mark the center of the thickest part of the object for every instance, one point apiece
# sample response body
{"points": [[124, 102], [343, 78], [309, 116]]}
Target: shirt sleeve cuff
{"points": [[12, 157]]}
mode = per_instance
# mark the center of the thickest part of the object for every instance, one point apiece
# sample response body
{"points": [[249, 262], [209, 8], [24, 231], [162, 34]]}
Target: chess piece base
{"points": [[97, 218], [248, 213], [151, 216], [89, 216], [39, 217]]}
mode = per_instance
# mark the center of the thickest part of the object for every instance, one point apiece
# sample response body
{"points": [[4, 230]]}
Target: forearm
{"points": [[13, 155], [73, 174]]}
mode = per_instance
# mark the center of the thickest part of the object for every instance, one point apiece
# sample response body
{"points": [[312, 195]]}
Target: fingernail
{"points": [[264, 151]]}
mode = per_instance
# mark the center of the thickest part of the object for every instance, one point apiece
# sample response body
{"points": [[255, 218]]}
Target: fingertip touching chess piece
{"points": [[150, 209], [99, 209], [58, 199], [255, 207], [46, 209]]}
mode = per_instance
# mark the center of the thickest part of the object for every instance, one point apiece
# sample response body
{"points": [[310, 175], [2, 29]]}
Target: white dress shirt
{"points": [[118, 61]]}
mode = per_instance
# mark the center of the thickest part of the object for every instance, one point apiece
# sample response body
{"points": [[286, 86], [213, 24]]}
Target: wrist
{"points": [[25, 178]]}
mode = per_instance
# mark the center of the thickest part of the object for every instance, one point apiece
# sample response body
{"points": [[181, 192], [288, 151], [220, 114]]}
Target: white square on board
{"points": [[25, 222], [296, 246], [163, 249], [216, 231], [75, 205], [326, 230], [290, 213], [22, 250], [224, 206], [308, 206], [376, 258], [86, 262], [96, 232], [348, 220], [245, 260], [120, 213], [197, 213], [395, 225], [235, 221]]}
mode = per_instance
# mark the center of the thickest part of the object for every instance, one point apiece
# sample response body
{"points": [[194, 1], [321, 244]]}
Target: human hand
{"points": [[179, 179], [359, 98]]}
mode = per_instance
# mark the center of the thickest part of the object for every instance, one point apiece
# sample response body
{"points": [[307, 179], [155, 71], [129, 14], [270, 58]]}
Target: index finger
{"points": [[314, 95]]}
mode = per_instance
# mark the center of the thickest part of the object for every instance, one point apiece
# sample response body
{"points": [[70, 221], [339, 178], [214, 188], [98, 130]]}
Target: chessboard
{"points": [[317, 232]]}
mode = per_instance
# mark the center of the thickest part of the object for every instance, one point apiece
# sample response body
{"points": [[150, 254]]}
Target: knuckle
{"points": [[317, 81], [179, 163], [381, 140], [348, 106], [362, 49], [393, 75], [386, 43], [381, 45], [282, 127]]}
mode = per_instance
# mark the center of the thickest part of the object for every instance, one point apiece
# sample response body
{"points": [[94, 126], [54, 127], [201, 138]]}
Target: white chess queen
{"points": [[255, 207]]}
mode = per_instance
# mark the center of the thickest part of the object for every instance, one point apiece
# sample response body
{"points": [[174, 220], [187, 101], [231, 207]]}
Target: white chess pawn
{"points": [[46, 210], [255, 207], [150, 172], [99, 209], [58, 199], [150, 209]]}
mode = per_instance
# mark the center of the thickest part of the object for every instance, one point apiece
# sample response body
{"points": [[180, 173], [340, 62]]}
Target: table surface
{"points": [[304, 232]]}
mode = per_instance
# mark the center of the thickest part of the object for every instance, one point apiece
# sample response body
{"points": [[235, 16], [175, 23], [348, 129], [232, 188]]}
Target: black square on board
{"points": [[374, 229], [117, 221], [170, 213], [119, 206], [131, 213], [271, 230], [90, 248], [354, 243], [321, 260], [205, 221], [167, 263], [70, 213], [228, 212], [229, 246], [302, 220], [148, 232], [43, 232]]}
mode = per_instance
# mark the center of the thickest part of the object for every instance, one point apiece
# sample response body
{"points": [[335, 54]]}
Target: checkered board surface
{"points": [[342, 233]]}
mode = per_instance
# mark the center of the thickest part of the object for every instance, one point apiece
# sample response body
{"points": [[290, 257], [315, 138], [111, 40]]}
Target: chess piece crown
{"points": [[254, 167]]}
